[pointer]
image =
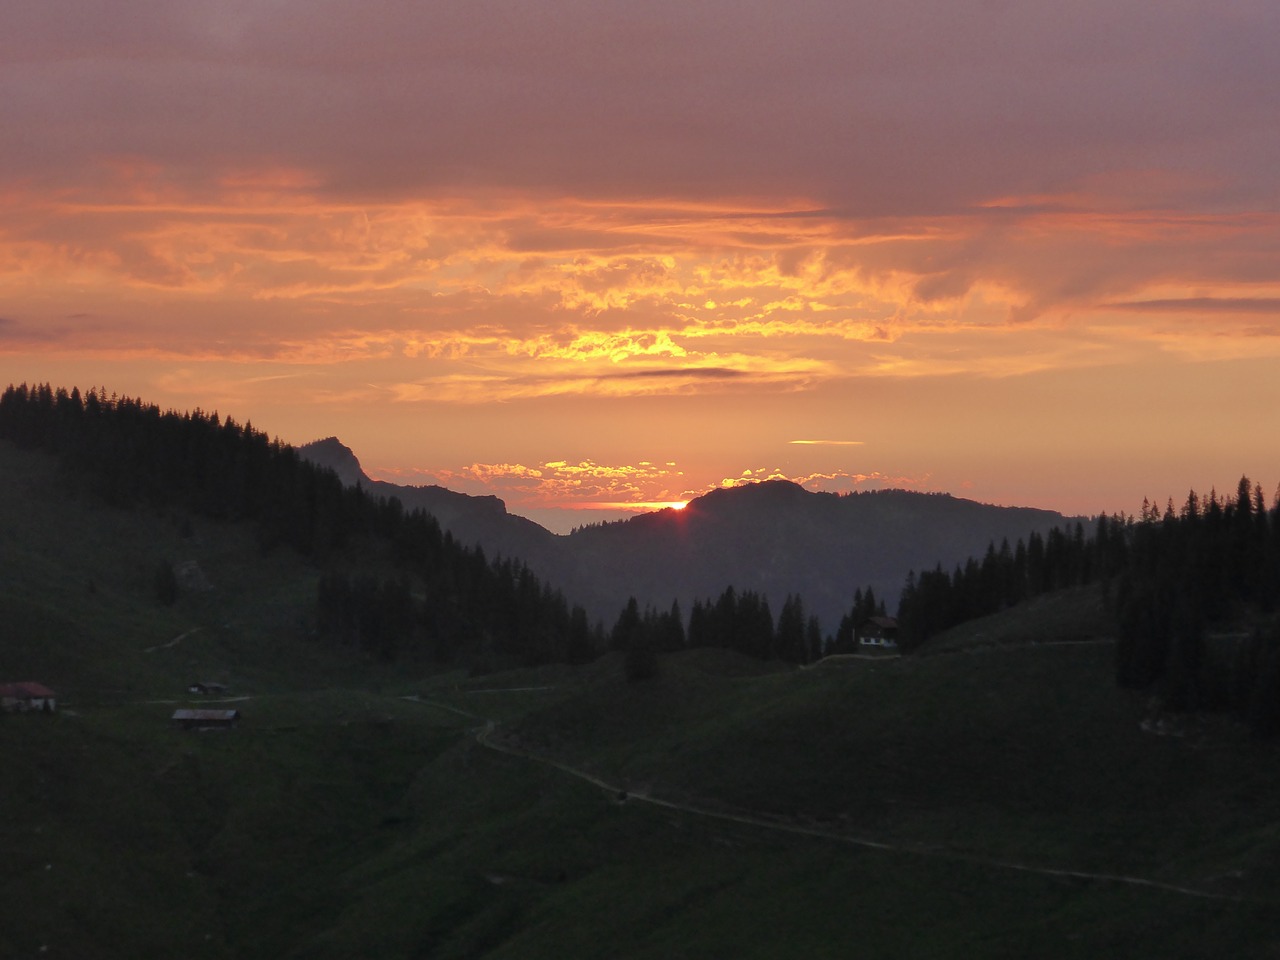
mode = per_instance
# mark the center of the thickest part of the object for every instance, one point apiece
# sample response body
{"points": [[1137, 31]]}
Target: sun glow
{"points": [[635, 506]]}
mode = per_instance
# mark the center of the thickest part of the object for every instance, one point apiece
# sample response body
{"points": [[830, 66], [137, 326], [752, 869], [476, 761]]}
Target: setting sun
{"points": [[634, 506]]}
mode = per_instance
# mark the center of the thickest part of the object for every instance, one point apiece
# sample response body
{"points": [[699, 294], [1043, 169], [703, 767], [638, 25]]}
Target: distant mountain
{"points": [[775, 538]]}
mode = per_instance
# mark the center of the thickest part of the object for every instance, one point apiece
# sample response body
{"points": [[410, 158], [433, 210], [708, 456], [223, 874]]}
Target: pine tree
{"points": [[791, 642]]}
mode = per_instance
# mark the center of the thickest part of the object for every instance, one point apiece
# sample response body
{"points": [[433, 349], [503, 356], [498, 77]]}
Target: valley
{"points": [[993, 795]]}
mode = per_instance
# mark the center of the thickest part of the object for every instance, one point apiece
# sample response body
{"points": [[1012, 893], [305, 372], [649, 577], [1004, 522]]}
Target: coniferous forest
{"points": [[1193, 593], [392, 583]]}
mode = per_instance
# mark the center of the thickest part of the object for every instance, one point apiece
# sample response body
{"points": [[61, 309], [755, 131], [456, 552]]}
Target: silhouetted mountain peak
{"points": [[337, 456], [771, 536], [471, 519], [763, 495]]}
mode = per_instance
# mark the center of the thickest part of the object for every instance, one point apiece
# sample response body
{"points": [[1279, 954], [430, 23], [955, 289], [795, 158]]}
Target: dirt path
{"points": [[977, 646], [172, 643], [843, 657], [485, 736]]}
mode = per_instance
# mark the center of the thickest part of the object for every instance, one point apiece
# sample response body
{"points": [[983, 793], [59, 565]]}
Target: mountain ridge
{"points": [[471, 519], [773, 537]]}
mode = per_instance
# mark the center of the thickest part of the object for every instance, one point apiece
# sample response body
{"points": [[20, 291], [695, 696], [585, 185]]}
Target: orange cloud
{"points": [[588, 485], [835, 481], [584, 484], [430, 222], [622, 297], [827, 443]]}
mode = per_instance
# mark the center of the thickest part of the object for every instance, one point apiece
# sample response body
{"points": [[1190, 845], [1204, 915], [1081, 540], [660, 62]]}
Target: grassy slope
{"points": [[341, 820], [633, 880], [1011, 754]]}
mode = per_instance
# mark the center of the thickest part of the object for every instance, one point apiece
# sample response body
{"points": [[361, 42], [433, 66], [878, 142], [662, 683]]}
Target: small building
{"points": [[879, 632], [22, 697], [207, 688], [206, 719]]}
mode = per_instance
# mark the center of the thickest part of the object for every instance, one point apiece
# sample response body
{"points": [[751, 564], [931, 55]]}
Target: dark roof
{"points": [[884, 623]]}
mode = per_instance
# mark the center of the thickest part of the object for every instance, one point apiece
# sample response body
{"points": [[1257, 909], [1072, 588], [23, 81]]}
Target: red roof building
{"points": [[21, 697]]}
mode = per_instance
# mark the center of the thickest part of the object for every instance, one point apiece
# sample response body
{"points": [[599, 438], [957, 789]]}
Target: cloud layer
{"points": [[405, 206]]}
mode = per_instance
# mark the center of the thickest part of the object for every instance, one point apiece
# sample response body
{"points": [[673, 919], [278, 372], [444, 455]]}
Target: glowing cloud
{"points": [[623, 488], [429, 221], [827, 443], [835, 481], [585, 484]]}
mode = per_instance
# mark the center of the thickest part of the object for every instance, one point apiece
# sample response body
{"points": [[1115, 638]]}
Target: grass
{"points": [[342, 819], [1026, 755], [1074, 614]]}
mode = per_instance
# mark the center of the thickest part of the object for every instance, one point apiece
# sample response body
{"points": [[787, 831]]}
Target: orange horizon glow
{"points": [[554, 290], [629, 506]]}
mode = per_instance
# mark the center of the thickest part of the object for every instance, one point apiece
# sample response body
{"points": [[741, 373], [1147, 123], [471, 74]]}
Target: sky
{"points": [[595, 257]]}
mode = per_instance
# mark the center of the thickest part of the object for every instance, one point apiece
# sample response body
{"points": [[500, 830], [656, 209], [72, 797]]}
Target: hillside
{"points": [[775, 538], [1006, 802], [387, 581], [78, 595]]}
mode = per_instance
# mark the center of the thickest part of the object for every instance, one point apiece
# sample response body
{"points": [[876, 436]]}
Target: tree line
{"points": [[737, 620], [935, 600], [1195, 606], [393, 584], [1193, 591]]}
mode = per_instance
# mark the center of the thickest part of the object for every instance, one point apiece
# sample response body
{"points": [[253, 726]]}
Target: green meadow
{"points": [[994, 795]]}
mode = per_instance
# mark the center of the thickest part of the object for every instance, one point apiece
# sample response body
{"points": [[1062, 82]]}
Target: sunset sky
{"points": [[591, 254]]}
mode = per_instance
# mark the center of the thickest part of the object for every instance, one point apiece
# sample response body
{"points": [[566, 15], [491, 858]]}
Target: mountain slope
{"points": [[472, 520], [778, 539]]}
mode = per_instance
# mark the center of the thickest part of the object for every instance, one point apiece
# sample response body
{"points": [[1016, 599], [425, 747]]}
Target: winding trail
{"points": [[484, 735], [172, 643]]}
